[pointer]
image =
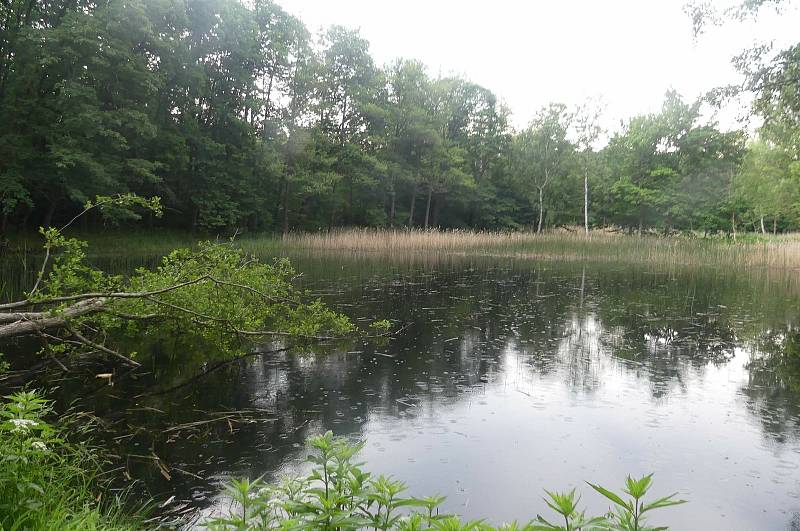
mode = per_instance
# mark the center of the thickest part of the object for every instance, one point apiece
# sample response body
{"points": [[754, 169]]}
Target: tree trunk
{"points": [[350, 217], [428, 206], [541, 210], [733, 225], [333, 208], [286, 208], [30, 323], [48, 215], [586, 202], [438, 201], [392, 208], [265, 123], [26, 218], [774, 226], [343, 122], [763, 230], [413, 203]]}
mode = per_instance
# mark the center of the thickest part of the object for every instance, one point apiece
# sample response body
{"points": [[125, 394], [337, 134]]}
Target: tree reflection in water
{"points": [[539, 374]]}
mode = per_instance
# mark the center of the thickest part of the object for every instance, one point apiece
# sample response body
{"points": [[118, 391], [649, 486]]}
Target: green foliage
{"points": [[381, 326], [47, 482], [336, 494], [542, 155], [123, 206], [628, 515], [242, 120], [566, 505], [339, 494], [216, 292]]}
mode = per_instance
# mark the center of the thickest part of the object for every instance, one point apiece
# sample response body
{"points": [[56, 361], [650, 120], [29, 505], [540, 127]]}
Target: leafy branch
{"points": [[217, 292]]}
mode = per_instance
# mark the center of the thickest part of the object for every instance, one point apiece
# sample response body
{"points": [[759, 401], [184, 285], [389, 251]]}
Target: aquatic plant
{"points": [[600, 245], [339, 494]]}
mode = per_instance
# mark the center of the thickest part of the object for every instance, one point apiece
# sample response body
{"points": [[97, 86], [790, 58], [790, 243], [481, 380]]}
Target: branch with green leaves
{"points": [[217, 292]]}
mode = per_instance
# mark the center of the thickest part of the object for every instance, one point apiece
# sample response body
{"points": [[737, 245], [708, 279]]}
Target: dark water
{"points": [[511, 376]]}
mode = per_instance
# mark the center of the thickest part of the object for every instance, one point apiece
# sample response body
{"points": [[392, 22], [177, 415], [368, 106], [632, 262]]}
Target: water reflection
{"points": [[514, 376]]}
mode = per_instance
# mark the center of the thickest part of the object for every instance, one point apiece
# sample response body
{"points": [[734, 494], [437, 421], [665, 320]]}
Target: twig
{"points": [[210, 370], [102, 348]]}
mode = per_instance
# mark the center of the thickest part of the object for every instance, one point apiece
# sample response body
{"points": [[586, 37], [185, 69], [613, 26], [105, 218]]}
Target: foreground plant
{"points": [[46, 482], [566, 505], [217, 291], [628, 515], [338, 494]]}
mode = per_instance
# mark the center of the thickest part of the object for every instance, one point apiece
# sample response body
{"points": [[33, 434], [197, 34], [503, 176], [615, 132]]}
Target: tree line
{"points": [[240, 119]]}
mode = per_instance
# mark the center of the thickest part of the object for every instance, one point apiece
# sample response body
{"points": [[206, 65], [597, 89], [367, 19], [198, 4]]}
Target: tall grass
{"points": [[123, 250], [769, 251]]}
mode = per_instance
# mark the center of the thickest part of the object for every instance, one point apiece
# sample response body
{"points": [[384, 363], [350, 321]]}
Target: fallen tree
{"points": [[217, 291]]}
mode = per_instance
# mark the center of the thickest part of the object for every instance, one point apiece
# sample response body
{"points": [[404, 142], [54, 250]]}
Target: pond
{"points": [[509, 376]]}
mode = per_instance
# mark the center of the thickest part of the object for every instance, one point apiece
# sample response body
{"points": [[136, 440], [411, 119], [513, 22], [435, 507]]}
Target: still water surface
{"points": [[512, 376]]}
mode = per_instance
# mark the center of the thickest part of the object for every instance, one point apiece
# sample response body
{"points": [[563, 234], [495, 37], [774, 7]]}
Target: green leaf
{"points": [[611, 496], [666, 501]]}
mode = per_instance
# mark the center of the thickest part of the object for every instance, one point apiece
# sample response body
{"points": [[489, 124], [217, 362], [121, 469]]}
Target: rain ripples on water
{"points": [[509, 376]]}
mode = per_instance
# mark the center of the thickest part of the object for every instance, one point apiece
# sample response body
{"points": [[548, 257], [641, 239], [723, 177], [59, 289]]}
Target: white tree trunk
{"points": [[541, 204], [586, 202]]}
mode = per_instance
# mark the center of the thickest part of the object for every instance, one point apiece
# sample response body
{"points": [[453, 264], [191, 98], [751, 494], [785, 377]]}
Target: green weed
{"points": [[339, 494]]}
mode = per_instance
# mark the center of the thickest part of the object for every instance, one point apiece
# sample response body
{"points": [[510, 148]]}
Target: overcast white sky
{"points": [[532, 52]]}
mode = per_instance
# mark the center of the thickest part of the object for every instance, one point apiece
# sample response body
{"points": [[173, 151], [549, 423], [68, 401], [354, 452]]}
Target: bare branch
{"points": [[101, 348], [187, 310], [263, 295]]}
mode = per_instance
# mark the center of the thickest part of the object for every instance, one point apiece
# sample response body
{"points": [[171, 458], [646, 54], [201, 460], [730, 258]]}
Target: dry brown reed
{"points": [[781, 251]]}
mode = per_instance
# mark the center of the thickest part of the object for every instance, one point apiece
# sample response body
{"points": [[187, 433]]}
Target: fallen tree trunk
{"points": [[35, 322]]}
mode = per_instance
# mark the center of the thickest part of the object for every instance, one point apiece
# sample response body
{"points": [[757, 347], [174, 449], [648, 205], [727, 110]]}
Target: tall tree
{"points": [[542, 152], [587, 132]]}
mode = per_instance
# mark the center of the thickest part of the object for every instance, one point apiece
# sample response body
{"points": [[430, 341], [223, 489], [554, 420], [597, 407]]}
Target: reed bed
{"points": [[781, 251], [124, 250]]}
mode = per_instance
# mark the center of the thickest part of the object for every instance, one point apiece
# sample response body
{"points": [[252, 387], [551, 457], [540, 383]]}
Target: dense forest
{"points": [[240, 119]]}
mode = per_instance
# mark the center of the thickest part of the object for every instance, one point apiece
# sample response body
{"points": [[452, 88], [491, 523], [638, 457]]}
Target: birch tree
{"points": [[542, 151], [587, 128]]}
